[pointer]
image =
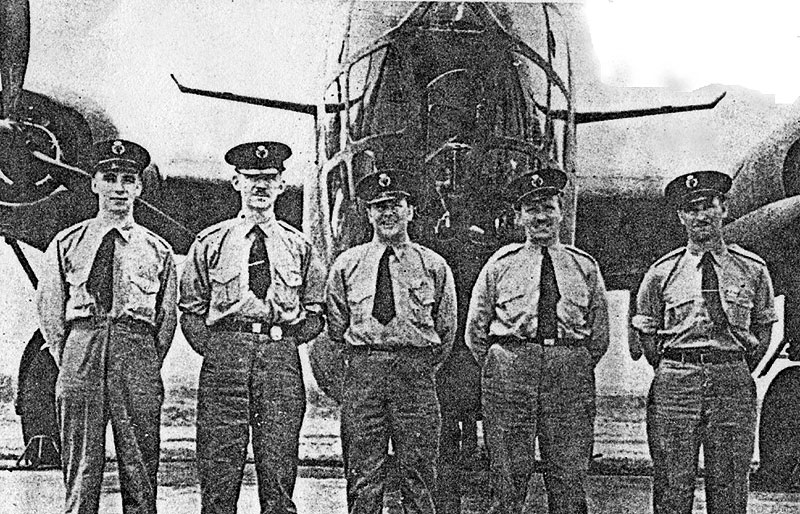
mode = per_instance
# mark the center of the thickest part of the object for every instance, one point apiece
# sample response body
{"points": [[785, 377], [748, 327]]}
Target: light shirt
{"points": [[671, 297], [505, 298], [424, 296], [215, 280], [144, 275]]}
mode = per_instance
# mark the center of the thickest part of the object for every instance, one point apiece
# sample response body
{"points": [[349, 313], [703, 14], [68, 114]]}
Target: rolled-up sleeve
{"points": [[195, 290], [649, 315], [480, 314], [598, 318], [446, 318], [764, 312], [336, 304], [313, 279], [167, 315], [51, 302]]}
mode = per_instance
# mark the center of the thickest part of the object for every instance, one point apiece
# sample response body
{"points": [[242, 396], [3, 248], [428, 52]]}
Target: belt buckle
{"points": [[255, 328], [549, 341]]}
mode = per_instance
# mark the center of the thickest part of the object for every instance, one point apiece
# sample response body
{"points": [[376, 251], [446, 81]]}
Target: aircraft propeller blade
{"points": [[764, 230], [15, 42], [71, 176]]}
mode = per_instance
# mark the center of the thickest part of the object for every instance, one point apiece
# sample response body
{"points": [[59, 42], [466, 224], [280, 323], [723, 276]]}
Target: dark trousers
{"points": [[693, 404], [249, 383], [532, 392], [109, 372], [390, 395], [458, 387]]}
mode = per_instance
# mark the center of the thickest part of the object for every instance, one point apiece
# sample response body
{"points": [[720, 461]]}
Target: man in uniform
{"points": [[392, 309], [251, 292], [704, 316], [106, 303], [538, 324]]}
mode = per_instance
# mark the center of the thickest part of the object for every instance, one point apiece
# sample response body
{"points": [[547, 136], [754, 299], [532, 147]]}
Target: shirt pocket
{"points": [[574, 306], [142, 294], [421, 300], [739, 306], [678, 312], [79, 297], [512, 303], [225, 287], [287, 288], [359, 304]]}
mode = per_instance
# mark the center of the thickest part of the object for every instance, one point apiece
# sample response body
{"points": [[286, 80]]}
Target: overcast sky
{"points": [[686, 44]]}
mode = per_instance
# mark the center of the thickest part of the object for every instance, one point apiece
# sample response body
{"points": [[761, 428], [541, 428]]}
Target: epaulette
{"points": [[292, 229], [213, 229], [428, 252], [677, 253], [738, 250], [578, 251], [160, 240], [674, 255], [507, 250], [69, 231]]}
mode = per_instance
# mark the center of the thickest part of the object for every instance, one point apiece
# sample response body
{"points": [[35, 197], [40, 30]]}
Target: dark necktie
{"points": [[710, 288], [548, 299], [101, 277], [260, 277], [383, 306]]}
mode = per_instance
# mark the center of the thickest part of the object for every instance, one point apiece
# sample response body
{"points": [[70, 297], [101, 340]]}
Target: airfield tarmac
{"points": [[322, 490], [620, 475]]}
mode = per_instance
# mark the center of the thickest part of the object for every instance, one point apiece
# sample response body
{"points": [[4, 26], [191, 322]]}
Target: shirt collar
{"points": [[266, 226], [125, 227], [537, 248], [719, 251], [399, 249]]}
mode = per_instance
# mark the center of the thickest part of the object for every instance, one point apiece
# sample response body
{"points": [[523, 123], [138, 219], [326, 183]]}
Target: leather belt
{"points": [[275, 332], [517, 341], [368, 348], [703, 357], [134, 325]]}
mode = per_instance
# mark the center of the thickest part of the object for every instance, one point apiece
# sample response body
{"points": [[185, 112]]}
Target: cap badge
{"points": [[262, 152], [691, 182], [117, 148], [537, 181], [384, 180]]}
